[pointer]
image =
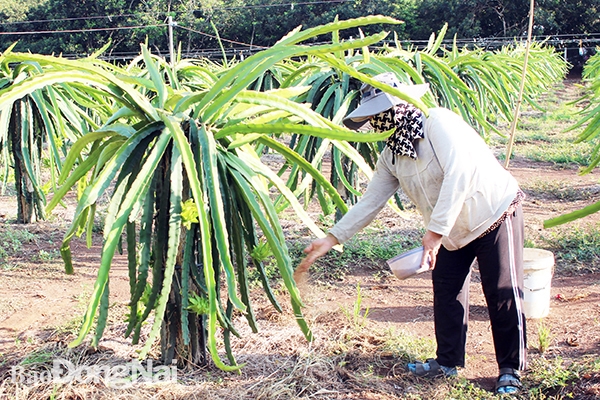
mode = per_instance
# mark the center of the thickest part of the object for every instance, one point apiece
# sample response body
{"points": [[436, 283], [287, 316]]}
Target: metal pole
{"points": [[516, 116]]}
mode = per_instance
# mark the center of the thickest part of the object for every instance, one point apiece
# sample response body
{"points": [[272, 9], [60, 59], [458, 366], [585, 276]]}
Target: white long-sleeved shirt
{"points": [[456, 183]]}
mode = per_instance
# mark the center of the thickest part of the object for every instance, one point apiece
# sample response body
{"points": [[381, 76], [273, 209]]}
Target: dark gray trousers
{"points": [[500, 258]]}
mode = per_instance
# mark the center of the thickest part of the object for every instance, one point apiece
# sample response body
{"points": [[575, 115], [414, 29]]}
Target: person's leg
{"points": [[500, 258], [451, 277]]}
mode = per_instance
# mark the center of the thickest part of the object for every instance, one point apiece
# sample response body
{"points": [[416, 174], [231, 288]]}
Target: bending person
{"points": [[471, 208]]}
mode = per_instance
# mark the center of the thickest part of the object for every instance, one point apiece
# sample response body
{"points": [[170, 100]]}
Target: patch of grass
{"points": [[550, 374], [11, 243], [544, 136], [463, 389], [407, 346], [46, 256], [368, 249], [577, 249], [38, 357], [11, 239], [270, 269], [563, 152], [560, 190], [377, 247]]}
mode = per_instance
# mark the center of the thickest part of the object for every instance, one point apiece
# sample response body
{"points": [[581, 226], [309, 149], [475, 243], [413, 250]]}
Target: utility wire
{"points": [[39, 21], [219, 38], [82, 30], [305, 3]]}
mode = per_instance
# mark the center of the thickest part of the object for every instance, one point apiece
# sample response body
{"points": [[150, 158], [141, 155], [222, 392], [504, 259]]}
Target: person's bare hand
{"points": [[431, 245], [313, 251]]}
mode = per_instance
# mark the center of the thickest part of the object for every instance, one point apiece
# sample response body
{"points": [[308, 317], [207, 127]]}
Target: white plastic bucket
{"points": [[538, 268]]}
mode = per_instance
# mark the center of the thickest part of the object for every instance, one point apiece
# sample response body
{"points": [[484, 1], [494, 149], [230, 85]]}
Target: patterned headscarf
{"points": [[409, 127]]}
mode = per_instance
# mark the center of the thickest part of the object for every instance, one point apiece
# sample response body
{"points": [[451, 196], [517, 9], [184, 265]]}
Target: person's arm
{"points": [[383, 185], [431, 245], [315, 250]]}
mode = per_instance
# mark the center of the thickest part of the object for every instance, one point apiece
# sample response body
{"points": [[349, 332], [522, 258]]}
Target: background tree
{"points": [[263, 22], [555, 17]]}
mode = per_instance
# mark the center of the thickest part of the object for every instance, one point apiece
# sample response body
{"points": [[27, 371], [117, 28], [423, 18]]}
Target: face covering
{"points": [[407, 119]]}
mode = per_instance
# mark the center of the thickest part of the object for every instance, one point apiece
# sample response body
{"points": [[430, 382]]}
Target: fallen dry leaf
{"points": [[572, 341]]}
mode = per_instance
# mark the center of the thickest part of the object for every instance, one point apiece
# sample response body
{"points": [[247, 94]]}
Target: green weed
{"points": [[199, 305], [11, 243], [563, 152], [560, 190], [38, 357], [408, 347], [356, 318], [11, 239], [577, 249], [463, 389], [544, 337], [548, 374], [270, 269], [46, 256], [371, 250]]}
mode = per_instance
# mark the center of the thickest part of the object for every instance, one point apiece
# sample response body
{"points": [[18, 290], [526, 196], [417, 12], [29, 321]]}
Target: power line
{"points": [[220, 38], [83, 30], [39, 21], [292, 5]]}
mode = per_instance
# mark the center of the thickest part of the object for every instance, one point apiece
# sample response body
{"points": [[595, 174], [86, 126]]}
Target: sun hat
{"points": [[374, 100]]}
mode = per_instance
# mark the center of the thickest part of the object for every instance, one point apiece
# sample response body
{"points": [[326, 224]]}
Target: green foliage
{"points": [[590, 120], [409, 347], [590, 115], [189, 213], [39, 116], [544, 337], [11, 243], [464, 389], [257, 23], [199, 305], [16, 10], [563, 152], [371, 248], [552, 373], [357, 317], [261, 251], [46, 256], [576, 248], [171, 133], [560, 190]]}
